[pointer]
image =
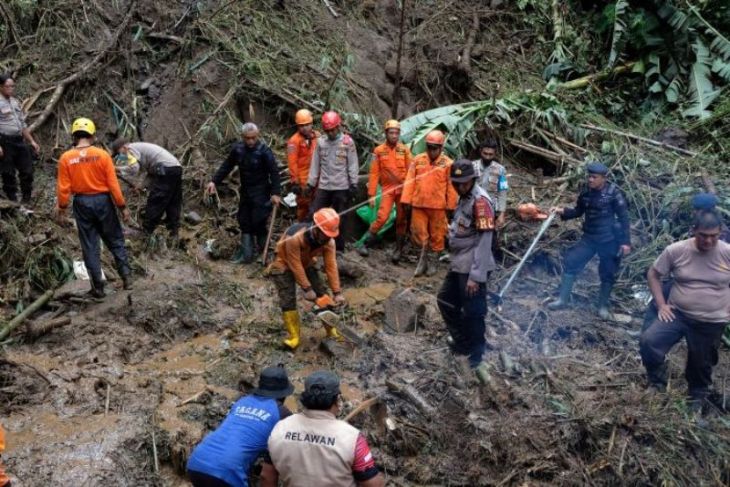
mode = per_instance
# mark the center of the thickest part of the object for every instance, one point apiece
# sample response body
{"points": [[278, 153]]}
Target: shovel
{"points": [[542, 230]]}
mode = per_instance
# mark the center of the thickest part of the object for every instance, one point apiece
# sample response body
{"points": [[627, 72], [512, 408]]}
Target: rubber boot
{"points": [[127, 282], [566, 287], [363, 249], [293, 325], [604, 296], [245, 251], [332, 332], [398, 252], [97, 289], [482, 373], [432, 264], [658, 376], [423, 264]]}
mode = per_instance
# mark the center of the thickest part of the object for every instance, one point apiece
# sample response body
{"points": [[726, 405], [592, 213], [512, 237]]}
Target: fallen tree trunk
{"points": [[18, 320], [37, 330], [412, 395]]}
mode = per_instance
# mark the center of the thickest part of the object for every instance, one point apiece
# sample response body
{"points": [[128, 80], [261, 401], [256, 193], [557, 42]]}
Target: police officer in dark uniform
{"points": [[260, 189], [606, 232], [462, 299]]}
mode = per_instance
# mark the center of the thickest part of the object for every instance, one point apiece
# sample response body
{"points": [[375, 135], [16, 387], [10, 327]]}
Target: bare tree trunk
{"points": [[401, 35]]}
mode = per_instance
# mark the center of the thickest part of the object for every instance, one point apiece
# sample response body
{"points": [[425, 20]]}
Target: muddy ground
{"points": [[122, 394]]}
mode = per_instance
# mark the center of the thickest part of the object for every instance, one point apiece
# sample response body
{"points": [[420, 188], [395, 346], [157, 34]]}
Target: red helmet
{"points": [[327, 220], [330, 120]]}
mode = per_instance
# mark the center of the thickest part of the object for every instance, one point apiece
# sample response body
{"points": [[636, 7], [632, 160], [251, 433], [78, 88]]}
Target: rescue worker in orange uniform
{"points": [[388, 169], [294, 264], [429, 195], [299, 150], [4, 479], [87, 172]]}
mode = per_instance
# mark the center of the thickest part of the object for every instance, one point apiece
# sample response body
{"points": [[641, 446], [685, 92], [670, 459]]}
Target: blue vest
{"points": [[228, 452]]}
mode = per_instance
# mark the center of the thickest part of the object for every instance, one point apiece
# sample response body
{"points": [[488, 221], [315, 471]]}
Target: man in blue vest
{"points": [[224, 457]]}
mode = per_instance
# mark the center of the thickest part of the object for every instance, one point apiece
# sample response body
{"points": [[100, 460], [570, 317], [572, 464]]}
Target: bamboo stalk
{"points": [[640, 139], [20, 318], [546, 153]]}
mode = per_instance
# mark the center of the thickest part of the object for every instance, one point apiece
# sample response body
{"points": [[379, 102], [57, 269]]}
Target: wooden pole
{"points": [[268, 237]]}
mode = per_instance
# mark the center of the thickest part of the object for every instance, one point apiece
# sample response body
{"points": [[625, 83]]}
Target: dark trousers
{"points": [[703, 340], [286, 286], [578, 256], [652, 312], [165, 199], [464, 316], [335, 199], [199, 479], [254, 210], [16, 157], [96, 217]]}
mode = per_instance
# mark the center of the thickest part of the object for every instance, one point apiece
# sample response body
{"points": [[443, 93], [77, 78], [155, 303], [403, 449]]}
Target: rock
{"points": [[673, 136], [193, 217], [403, 309], [145, 85], [35, 239]]}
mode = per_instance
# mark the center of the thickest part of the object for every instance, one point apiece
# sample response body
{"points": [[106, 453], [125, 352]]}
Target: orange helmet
{"points": [[330, 120], [435, 137], [303, 117], [392, 124], [328, 221], [530, 211]]}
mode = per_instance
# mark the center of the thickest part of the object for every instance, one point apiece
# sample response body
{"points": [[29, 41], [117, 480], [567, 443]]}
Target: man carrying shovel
{"points": [[606, 232], [294, 264]]}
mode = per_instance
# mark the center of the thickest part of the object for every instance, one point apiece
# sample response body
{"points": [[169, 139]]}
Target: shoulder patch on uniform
{"points": [[483, 214]]}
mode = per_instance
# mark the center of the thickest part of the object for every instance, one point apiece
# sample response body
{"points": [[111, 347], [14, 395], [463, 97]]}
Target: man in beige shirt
{"points": [[698, 307], [315, 448]]}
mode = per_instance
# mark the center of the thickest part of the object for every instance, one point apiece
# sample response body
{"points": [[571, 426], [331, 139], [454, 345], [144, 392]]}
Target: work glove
{"points": [[352, 192]]}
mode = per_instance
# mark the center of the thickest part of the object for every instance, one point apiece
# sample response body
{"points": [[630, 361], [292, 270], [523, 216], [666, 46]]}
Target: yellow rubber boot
{"points": [[292, 324], [332, 332]]}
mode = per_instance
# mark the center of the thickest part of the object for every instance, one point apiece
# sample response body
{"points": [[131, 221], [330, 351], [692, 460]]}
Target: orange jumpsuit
{"points": [[429, 191], [389, 168], [4, 479], [299, 152]]}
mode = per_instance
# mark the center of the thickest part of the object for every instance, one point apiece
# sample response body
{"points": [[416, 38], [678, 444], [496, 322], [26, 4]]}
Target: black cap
{"points": [[597, 168], [322, 381], [273, 382], [462, 171]]}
